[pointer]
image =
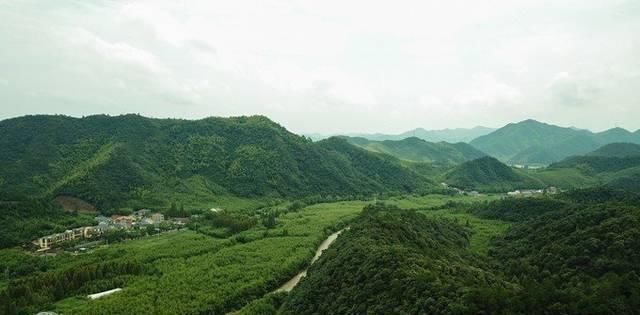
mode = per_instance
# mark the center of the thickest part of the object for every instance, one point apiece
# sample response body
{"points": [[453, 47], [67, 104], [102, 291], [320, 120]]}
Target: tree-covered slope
{"points": [[418, 150], [619, 149], [574, 253], [489, 174], [578, 256], [533, 142], [110, 160], [616, 165], [391, 261]]}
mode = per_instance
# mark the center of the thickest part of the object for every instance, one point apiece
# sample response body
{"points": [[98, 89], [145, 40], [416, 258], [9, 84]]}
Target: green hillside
{"points": [[617, 150], [126, 160], [616, 165], [533, 142], [489, 175], [418, 150], [574, 253], [392, 261]]}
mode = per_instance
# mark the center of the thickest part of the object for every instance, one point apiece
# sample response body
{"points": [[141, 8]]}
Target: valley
{"points": [[228, 272], [241, 216], [289, 157]]}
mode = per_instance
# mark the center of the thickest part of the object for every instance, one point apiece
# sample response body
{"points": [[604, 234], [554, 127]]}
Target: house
{"points": [[157, 217], [181, 221], [142, 213], [46, 242], [123, 221], [102, 227], [102, 218], [145, 222]]}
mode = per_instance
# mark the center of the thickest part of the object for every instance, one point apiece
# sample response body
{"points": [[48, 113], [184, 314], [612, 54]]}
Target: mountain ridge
{"points": [[534, 142], [114, 161], [418, 150]]}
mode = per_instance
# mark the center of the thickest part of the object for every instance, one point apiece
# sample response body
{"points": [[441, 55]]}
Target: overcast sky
{"points": [[327, 66]]}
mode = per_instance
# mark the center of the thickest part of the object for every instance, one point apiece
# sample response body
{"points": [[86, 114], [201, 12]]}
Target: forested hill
{"points": [[490, 175], [391, 261], [109, 160], [533, 142], [418, 150], [616, 165], [617, 150], [574, 253]]}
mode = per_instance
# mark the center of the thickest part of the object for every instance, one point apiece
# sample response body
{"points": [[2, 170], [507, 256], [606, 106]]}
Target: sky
{"points": [[327, 66]]}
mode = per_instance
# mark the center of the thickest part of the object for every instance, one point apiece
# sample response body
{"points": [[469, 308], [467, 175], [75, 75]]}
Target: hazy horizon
{"points": [[330, 68], [346, 133]]}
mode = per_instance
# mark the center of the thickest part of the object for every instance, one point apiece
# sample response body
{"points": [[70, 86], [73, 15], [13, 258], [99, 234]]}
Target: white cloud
{"points": [[325, 66], [118, 51], [486, 91]]}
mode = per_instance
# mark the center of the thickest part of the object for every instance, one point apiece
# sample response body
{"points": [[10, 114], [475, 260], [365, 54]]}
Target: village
{"points": [[516, 193], [141, 219]]}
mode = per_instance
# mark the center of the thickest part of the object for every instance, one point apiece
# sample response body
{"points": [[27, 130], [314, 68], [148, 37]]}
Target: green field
{"points": [[483, 229]]}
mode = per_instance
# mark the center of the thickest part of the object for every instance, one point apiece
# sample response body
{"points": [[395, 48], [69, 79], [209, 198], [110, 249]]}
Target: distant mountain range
{"points": [[446, 135], [532, 142], [418, 150]]}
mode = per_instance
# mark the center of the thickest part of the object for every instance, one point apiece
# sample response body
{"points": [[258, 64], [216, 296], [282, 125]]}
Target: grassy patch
{"points": [[483, 229]]}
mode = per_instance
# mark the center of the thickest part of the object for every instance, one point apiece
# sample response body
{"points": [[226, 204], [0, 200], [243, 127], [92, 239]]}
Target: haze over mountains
{"points": [[418, 150], [528, 142], [447, 135]]}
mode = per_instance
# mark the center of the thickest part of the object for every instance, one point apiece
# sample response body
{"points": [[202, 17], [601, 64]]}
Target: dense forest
{"points": [[489, 174], [24, 220], [137, 161], [576, 253]]}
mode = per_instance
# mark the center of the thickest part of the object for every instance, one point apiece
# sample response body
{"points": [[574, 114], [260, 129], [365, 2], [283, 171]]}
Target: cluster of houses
{"points": [[459, 191], [533, 192], [139, 219]]}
